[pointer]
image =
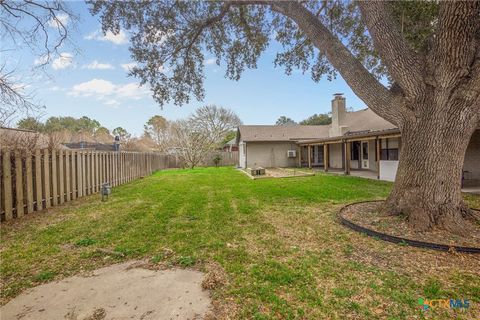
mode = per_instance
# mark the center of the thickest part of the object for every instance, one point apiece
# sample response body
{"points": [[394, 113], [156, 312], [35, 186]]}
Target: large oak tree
{"points": [[428, 53]]}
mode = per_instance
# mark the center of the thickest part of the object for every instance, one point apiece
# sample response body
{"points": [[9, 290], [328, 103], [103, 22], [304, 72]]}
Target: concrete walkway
{"points": [[122, 291]]}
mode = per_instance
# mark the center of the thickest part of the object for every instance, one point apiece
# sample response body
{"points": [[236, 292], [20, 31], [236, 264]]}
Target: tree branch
{"points": [[403, 63], [383, 102], [456, 52]]}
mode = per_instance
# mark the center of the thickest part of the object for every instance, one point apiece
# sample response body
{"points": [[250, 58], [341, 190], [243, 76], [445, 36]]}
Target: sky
{"points": [[91, 79]]}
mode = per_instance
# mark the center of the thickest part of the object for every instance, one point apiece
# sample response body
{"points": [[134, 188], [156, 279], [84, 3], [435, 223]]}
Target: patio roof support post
{"points": [[325, 157], [309, 156], [378, 144], [299, 156], [347, 157]]}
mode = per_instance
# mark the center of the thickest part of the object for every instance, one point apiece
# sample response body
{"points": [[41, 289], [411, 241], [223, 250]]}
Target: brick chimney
{"points": [[338, 126]]}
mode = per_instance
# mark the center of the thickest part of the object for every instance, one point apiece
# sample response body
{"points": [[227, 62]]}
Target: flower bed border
{"points": [[400, 240]]}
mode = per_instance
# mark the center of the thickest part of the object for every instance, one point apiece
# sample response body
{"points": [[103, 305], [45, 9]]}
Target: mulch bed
{"points": [[368, 215]]}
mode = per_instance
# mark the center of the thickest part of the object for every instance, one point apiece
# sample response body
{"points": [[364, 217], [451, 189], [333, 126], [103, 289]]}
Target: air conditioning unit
{"points": [[292, 153]]}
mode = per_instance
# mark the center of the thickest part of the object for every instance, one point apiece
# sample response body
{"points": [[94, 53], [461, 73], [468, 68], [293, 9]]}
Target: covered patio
{"points": [[372, 155]]}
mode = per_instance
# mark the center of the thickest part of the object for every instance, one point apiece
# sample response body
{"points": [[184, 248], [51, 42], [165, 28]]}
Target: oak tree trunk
{"points": [[427, 189]]}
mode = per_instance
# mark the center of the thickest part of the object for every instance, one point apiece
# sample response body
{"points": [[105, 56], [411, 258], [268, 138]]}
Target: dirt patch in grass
{"points": [[119, 291], [368, 215], [283, 173]]}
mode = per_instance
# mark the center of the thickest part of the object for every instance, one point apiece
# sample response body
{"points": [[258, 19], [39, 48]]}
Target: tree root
{"points": [[457, 219]]}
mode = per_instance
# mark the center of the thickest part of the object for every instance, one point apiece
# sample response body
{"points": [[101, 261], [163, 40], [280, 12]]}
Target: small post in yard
{"points": [[106, 191]]}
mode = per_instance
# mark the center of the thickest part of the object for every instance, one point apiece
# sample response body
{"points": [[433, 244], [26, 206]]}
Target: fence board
{"points": [[29, 180], [68, 181], [79, 174], [61, 178], [19, 184], [84, 174], [38, 180], [46, 178], [74, 175], [54, 179], [7, 185]]}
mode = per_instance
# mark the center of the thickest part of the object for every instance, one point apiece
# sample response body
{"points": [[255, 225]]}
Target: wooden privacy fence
{"points": [[228, 158], [33, 180]]}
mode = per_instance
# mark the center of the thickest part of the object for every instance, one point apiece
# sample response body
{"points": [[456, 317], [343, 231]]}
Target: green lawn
{"points": [[278, 241]]}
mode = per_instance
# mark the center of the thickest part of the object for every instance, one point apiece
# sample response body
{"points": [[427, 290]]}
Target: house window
{"points": [[355, 150], [389, 149]]}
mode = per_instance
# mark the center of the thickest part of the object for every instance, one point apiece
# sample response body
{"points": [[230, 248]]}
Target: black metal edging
{"points": [[394, 239]]}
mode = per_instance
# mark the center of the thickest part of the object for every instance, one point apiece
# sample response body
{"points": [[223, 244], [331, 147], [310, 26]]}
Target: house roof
{"points": [[358, 123], [13, 137], [281, 133], [365, 120]]}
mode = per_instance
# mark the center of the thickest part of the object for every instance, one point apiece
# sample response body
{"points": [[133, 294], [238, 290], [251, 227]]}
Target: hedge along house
{"points": [[359, 143]]}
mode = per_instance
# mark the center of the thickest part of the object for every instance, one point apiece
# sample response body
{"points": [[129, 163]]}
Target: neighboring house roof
{"points": [[14, 137], [281, 133], [91, 146]]}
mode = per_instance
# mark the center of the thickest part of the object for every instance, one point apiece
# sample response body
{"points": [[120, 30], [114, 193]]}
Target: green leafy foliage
{"points": [[283, 120], [317, 119], [216, 159]]}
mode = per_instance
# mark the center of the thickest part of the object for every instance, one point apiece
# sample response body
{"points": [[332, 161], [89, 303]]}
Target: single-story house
{"points": [[358, 141]]}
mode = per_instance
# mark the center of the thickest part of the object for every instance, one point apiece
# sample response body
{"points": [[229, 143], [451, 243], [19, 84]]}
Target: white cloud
{"points": [[97, 87], [210, 61], [61, 19], [120, 38], [54, 88], [112, 103], [95, 65], [65, 60], [40, 60], [131, 91], [128, 66], [111, 94]]}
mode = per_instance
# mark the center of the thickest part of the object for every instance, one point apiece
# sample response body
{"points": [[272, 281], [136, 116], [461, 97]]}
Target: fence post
{"points": [[54, 178], [79, 175], [86, 171], [7, 185], [84, 174], [67, 176], [92, 176], [29, 180], [61, 178], [97, 178]]}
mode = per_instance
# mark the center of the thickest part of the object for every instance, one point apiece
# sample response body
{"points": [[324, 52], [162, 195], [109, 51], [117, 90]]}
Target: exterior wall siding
{"points": [[472, 157], [270, 154], [242, 155], [335, 156]]}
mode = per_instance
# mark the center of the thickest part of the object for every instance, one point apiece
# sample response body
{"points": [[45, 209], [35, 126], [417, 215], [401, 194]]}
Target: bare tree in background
{"points": [[189, 143], [217, 121], [158, 130], [40, 26], [195, 138]]}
